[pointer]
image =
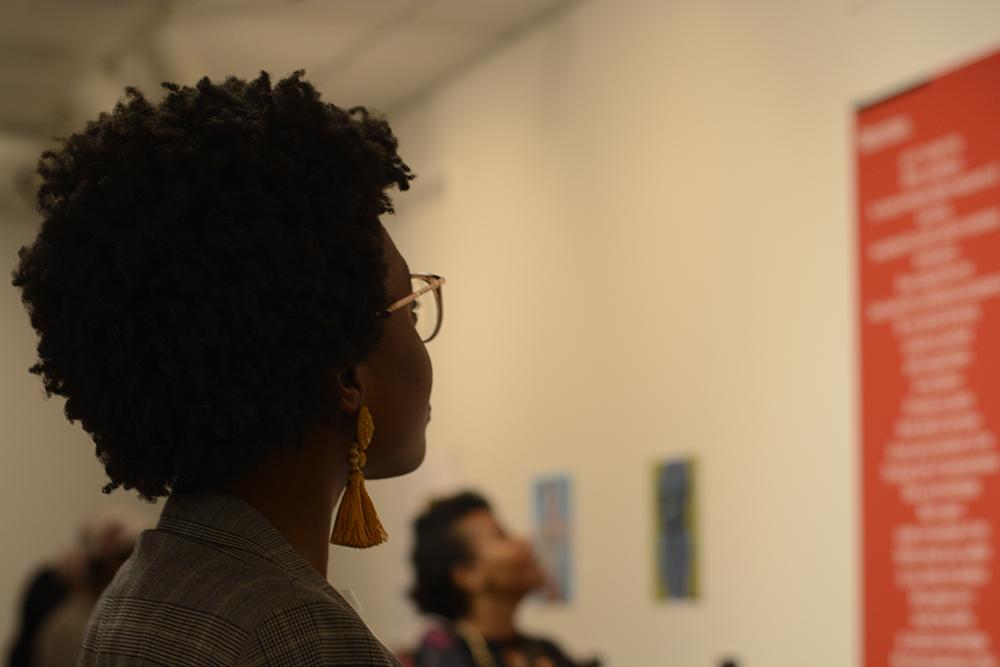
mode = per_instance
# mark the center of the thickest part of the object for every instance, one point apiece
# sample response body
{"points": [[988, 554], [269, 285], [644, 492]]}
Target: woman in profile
{"points": [[472, 575], [224, 313]]}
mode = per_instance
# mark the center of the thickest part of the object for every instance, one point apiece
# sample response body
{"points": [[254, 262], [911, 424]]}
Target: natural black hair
{"points": [[438, 549], [204, 265]]}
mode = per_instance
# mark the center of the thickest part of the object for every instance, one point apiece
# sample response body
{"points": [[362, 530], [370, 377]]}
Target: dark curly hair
{"points": [[438, 549], [204, 264]]}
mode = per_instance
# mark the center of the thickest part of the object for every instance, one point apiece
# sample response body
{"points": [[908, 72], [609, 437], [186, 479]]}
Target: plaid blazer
{"points": [[216, 584]]}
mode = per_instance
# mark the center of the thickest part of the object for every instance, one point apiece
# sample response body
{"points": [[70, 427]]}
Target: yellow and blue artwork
{"points": [[676, 534]]}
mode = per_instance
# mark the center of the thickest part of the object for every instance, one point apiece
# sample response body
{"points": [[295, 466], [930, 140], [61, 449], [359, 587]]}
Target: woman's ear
{"points": [[349, 389], [467, 578]]}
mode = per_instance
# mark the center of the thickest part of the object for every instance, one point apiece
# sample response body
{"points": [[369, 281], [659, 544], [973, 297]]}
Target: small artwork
{"points": [[552, 535], [676, 523]]}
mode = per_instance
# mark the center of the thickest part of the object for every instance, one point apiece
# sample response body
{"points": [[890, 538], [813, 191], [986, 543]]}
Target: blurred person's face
{"points": [[501, 565], [396, 381]]}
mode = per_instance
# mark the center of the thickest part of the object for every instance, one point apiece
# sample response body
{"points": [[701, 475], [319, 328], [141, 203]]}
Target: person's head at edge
{"points": [[468, 568], [209, 286]]}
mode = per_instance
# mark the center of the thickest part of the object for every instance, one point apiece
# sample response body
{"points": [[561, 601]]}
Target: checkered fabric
{"points": [[215, 584]]}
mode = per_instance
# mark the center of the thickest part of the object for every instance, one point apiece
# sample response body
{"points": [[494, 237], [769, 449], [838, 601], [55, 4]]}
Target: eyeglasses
{"points": [[428, 305]]}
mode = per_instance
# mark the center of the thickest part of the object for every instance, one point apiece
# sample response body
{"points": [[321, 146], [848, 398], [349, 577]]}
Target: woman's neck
{"points": [[493, 617], [296, 491]]}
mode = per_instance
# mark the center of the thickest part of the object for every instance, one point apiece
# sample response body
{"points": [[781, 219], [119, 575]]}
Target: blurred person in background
{"points": [[472, 576], [219, 303], [46, 589], [61, 596]]}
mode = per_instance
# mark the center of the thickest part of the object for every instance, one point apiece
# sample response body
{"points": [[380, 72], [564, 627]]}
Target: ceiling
{"points": [[64, 61]]}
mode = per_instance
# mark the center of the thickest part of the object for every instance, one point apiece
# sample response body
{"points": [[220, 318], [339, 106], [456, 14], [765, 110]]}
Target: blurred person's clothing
{"points": [[216, 584], [45, 592], [445, 647], [59, 638]]}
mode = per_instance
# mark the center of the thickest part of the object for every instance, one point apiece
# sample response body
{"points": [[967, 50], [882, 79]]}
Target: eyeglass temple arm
{"points": [[434, 283]]}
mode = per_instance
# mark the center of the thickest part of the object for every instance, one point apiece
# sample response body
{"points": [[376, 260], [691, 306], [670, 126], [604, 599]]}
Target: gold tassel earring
{"points": [[357, 523]]}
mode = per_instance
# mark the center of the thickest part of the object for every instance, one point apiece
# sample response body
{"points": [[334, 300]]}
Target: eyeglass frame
{"points": [[434, 283]]}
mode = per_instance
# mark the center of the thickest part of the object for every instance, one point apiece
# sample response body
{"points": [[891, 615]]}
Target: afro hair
{"points": [[203, 266]]}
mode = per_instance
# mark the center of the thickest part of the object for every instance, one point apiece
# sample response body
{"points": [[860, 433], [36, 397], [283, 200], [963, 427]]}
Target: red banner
{"points": [[929, 259]]}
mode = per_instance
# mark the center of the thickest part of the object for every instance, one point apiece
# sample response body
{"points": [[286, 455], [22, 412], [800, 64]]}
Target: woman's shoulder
{"points": [[233, 606], [441, 646], [314, 629], [440, 637], [550, 649]]}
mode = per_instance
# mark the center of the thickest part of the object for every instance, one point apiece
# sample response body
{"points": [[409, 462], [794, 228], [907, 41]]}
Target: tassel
{"points": [[358, 524]]}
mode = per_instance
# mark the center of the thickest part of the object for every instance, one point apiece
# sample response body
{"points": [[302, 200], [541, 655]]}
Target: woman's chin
{"points": [[403, 464]]}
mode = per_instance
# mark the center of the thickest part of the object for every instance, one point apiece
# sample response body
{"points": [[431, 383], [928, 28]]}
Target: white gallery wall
{"points": [[645, 214]]}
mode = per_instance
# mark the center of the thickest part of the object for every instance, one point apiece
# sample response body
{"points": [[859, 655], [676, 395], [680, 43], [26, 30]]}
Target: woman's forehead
{"points": [[398, 269]]}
